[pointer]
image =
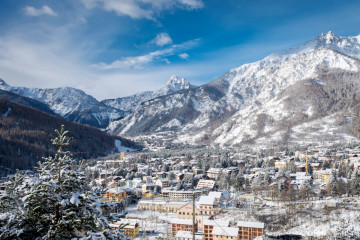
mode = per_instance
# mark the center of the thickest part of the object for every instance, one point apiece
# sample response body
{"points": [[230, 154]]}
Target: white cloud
{"points": [[162, 39], [194, 4], [138, 62], [184, 55], [138, 9], [44, 10]]}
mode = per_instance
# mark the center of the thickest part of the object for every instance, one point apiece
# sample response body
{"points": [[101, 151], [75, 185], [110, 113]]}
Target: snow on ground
{"points": [[7, 112], [159, 222], [121, 148]]}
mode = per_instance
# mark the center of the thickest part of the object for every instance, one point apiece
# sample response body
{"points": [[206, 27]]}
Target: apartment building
{"points": [[250, 230]]}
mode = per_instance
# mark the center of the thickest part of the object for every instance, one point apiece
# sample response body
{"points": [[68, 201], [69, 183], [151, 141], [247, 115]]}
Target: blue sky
{"points": [[114, 48]]}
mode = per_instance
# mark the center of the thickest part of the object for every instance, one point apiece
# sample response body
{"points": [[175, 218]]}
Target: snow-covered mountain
{"points": [[70, 103], [128, 104], [309, 92]]}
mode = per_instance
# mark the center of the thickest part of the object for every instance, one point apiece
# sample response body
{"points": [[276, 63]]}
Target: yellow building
{"points": [[131, 231], [122, 156], [115, 195], [280, 164], [325, 177], [129, 227], [148, 195]]}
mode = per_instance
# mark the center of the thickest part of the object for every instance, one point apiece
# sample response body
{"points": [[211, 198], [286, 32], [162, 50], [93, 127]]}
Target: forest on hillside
{"points": [[25, 135]]}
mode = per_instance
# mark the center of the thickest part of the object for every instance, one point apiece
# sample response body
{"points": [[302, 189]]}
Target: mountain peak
{"points": [[175, 84], [347, 45], [3, 83], [328, 38]]}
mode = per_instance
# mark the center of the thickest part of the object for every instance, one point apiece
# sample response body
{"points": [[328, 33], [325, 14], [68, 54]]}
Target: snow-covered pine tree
{"points": [[344, 231], [355, 182], [56, 203]]}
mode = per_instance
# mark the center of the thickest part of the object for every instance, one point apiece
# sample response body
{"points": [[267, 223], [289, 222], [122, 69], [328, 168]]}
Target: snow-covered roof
{"points": [[115, 190], [187, 235], [207, 200], [215, 194], [182, 221], [250, 224], [217, 223], [225, 231]]}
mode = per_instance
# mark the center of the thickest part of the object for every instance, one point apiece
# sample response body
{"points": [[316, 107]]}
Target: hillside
{"points": [[26, 101], [25, 135], [307, 94]]}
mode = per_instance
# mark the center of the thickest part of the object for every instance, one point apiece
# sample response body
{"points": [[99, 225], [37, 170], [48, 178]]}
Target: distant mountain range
{"points": [[75, 105], [128, 104], [309, 93], [70, 103]]}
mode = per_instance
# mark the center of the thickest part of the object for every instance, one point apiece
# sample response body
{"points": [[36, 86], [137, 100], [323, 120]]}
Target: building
{"points": [[129, 227], [281, 164], [162, 182], [186, 211], [122, 156], [178, 224], [250, 230], [203, 183], [225, 233], [115, 194], [208, 205], [148, 187], [160, 206], [213, 173], [209, 226], [186, 235], [180, 195]]}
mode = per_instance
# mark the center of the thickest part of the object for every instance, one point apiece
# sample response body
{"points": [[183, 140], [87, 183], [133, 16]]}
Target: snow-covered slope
{"points": [[262, 100], [70, 103], [128, 104]]}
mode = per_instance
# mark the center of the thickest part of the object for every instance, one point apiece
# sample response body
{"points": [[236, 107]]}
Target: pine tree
{"points": [[355, 182], [344, 231], [54, 204]]}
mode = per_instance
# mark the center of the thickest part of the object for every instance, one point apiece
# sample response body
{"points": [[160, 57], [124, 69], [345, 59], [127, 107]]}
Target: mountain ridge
{"points": [[70, 103], [129, 103], [229, 110]]}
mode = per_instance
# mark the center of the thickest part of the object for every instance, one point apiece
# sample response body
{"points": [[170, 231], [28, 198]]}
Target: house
{"points": [[186, 212], [203, 183], [209, 226], [216, 195], [250, 230], [208, 205], [115, 194], [281, 164], [162, 182], [178, 224], [148, 187], [129, 227], [213, 173], [332, 202], [225, 233]]}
